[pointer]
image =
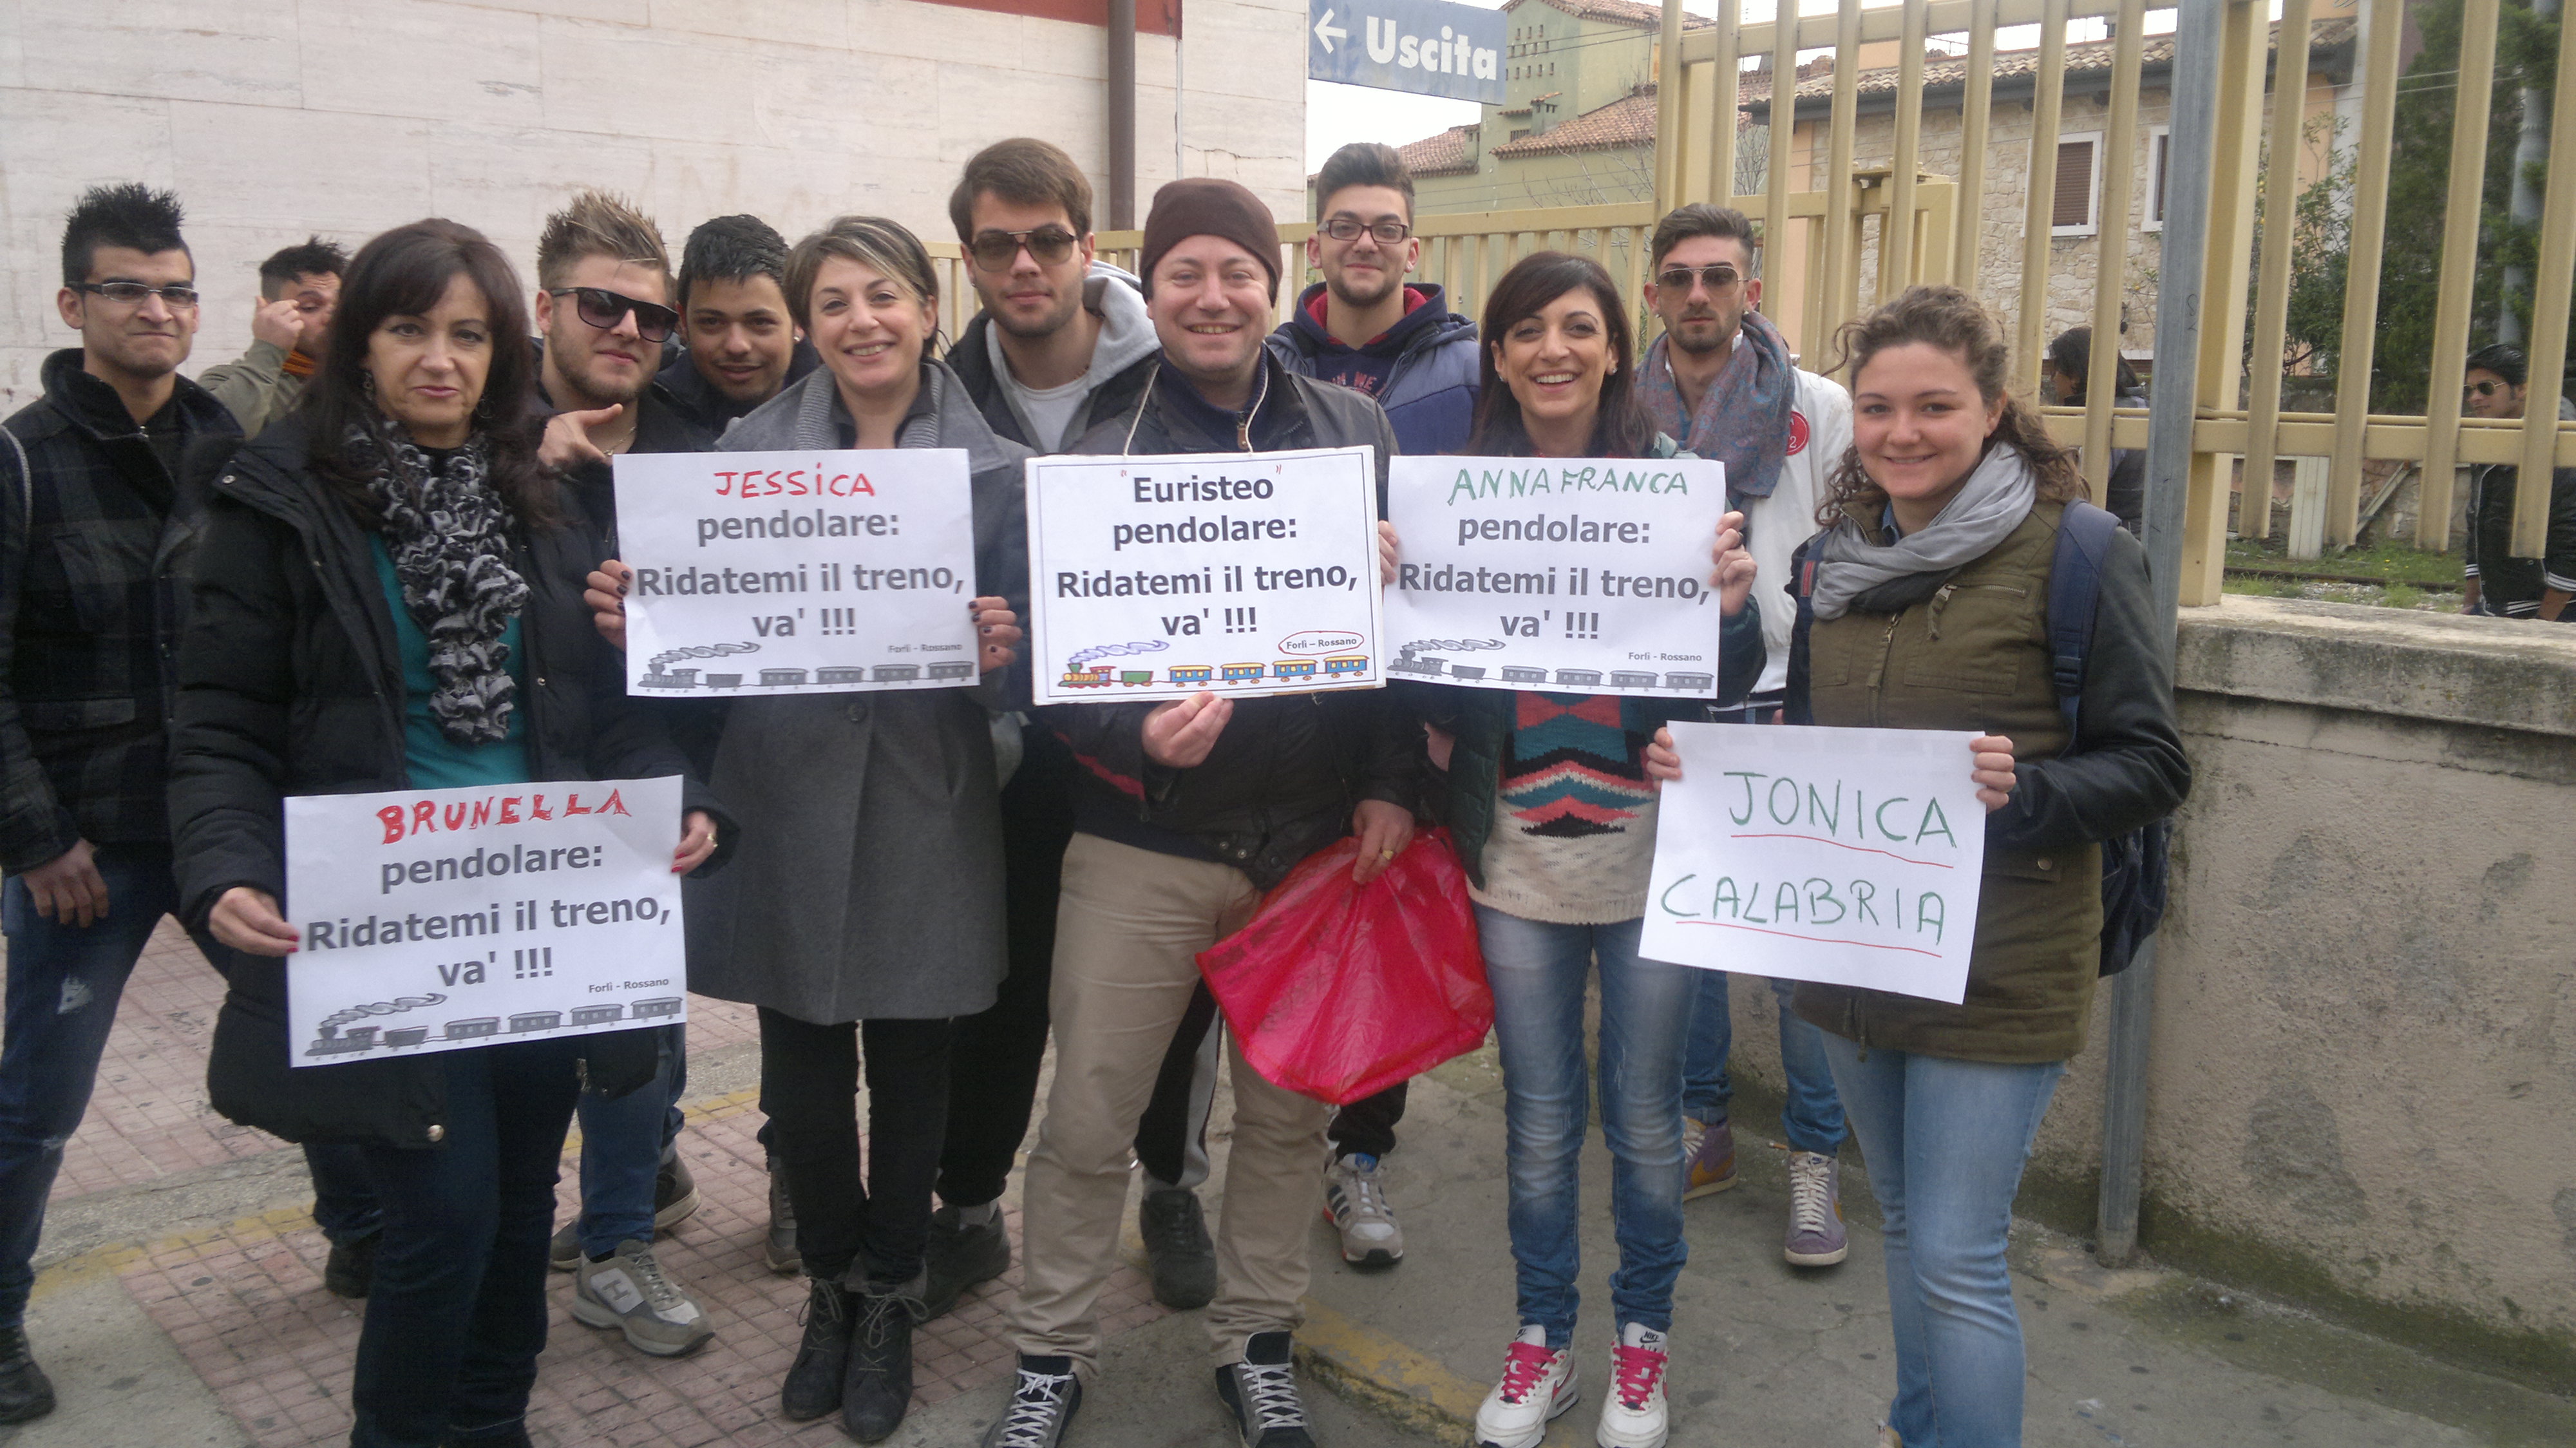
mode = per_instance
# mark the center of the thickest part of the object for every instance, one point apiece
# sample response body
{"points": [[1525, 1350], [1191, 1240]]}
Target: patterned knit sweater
{"points": [[1574, 831]]}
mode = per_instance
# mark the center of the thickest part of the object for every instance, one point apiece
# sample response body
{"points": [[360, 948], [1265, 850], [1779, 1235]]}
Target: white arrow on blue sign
{"points": [[1426, 47]]}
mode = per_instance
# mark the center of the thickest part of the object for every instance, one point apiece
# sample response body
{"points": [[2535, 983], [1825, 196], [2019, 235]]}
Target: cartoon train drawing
{"points": [[1346, 664], [1587, 678], [1523, 674], [1192, 673], [1467, 671], [403, 1036], [776, 678], [840, 674], [596, 1015], [536, 1021], [724, 681], [1410, 664], [472, 1027], [1085, 679], [953, 669], [1629, 679], [1241, 673], [1696, 683], [1293, 669], [360, 1038], [675, 679], [657, 1007], [898, 673], [1136, 678]]}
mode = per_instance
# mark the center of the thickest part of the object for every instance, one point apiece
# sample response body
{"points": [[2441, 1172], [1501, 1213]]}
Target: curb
{"points": [[1396, 1381]]}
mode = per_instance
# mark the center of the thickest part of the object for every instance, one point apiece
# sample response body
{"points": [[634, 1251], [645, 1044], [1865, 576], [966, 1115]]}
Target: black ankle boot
{"points": [[813, 1385], [27, 1394], [876, 1390]]}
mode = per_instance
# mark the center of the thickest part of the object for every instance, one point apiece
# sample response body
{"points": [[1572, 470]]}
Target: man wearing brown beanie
{"points": [[1185, 812]]}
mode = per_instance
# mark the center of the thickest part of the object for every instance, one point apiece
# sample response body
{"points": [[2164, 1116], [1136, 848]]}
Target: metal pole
{"points": [[1122, 114], [2169, 443]]}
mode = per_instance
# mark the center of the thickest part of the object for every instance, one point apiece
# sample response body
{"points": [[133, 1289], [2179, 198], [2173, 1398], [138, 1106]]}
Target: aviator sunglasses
{"points": [[995, 250]]}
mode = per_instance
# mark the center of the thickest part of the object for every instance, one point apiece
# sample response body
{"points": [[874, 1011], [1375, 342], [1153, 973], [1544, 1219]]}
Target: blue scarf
{"points": [[1743, 422]]}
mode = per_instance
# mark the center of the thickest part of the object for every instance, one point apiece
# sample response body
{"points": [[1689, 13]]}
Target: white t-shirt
{"points": [[1820, 432], [1049, 411]]}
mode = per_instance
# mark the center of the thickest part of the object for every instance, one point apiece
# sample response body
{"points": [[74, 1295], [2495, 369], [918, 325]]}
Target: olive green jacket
{"points": [[255, 387], [1974, 655]]}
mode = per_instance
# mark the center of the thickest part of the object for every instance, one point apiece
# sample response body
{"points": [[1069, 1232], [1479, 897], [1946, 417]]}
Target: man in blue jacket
{"points": [[1363, 325]]}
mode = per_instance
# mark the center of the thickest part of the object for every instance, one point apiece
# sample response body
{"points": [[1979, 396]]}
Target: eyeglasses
{"points": [[996, 250], [132, 293], [604, 309], [1717, 277], [1348, 228], [2483, 389]]}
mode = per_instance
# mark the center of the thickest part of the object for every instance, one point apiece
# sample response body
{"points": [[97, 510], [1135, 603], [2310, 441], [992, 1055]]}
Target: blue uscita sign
{"points": [[1425, 47]]}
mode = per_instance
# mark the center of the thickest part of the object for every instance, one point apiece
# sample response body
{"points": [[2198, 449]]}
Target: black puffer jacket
{"points": [[289, 683], [1288, 770]]}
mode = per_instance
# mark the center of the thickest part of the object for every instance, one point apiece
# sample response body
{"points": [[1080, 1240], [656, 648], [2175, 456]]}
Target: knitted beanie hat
{"points": [[1209, 206]]}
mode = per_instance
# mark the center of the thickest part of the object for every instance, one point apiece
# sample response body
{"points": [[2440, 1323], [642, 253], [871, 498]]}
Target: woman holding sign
{"points": [[866, 912], [387, 597], [1929, 595], [1554, 819]]}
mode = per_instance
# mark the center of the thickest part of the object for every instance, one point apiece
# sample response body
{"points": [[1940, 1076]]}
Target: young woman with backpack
{"points": [[1928, 589]]}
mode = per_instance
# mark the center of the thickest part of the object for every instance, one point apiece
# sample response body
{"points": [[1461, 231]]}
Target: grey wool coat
{"points": [[868, 881]]}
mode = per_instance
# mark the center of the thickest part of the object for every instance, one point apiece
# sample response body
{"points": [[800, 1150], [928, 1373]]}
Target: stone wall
{"points": [[274, 119], [2363, 1080]]}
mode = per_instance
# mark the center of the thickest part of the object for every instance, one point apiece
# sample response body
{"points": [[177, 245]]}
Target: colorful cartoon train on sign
{"points": [[1102, 676]]}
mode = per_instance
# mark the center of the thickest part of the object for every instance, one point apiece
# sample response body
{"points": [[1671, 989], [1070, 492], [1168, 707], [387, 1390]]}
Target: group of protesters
{"points": [[381, 551]]}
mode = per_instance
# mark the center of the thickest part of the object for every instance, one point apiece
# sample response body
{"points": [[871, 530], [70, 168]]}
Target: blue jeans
{"points": [[1537, 972], [1946, 1141], [1813, 1118], [457, 1315], [64, 983], [623, 1141]]}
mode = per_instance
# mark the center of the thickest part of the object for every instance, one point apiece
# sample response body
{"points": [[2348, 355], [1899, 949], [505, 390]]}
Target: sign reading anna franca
{"points": [[1425, 47]]}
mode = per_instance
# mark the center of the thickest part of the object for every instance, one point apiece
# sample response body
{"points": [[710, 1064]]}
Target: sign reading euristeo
{"points": [[1247, 573], [436, 919], [1545, 573], [797, 572]]}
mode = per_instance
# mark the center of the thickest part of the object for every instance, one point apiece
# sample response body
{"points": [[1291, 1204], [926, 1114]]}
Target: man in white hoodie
{"points": [[1722, 381]]}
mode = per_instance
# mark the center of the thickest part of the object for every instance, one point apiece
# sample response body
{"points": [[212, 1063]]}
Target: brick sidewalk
{"points": [[246, 1308]]}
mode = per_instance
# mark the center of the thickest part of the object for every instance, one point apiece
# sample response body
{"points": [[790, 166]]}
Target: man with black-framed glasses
{"points": [[1366, 327], [92, 525]]}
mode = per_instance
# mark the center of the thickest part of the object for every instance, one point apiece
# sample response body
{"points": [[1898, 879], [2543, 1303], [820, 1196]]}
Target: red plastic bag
{"points": [[1338, 991]]}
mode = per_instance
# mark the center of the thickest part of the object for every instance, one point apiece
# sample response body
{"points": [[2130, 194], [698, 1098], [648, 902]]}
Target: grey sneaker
{"points": [[1355, 1203], [628, 1291], [1816, 1237], [1708, 1147], [1260, 1393], [1041, 1405]]}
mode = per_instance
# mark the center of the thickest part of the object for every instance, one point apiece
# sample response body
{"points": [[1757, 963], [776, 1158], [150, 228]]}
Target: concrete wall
{"points": [[2363, 1087], [274, 118]]}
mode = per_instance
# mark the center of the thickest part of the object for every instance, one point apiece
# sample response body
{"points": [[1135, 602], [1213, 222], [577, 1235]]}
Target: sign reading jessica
{"points": [[1851, 856], [1427, 47], [434, 919], [785, 573], [1527, 573], [1156, 577]]}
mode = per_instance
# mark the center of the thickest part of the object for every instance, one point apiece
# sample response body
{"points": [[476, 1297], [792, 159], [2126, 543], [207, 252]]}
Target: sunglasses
{"points": [[1717, 276], [2483, 389], [604, 309], [996, 250], [132, 293]]}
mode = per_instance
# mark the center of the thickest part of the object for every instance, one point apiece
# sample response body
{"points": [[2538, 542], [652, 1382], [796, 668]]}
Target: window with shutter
{"points": [[2072, 209]]}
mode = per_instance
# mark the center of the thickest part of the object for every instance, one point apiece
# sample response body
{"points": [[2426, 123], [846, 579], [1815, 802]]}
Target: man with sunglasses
{"points": [[2500, 584], [604, 282], [1720, 378], [91, 523]]}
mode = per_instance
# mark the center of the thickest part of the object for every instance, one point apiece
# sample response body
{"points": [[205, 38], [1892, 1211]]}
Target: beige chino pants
{"points": [[1129, 926]]}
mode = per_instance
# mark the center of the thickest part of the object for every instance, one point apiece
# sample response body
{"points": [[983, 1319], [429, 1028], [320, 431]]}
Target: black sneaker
{"points": [[876, 1388], [351, 1272], [780, 1250], [1040, 1407], [959, 1256], [26, 1394], [675, 1194], [813, 1386], [1261, 1393], [1176, 1242]]}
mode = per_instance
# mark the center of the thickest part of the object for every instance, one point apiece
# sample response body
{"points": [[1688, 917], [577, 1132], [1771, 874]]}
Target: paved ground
{"points": [[180, 1304]]}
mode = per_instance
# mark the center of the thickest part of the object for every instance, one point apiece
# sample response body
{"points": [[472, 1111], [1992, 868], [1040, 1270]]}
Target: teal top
{"points": [[436, 761]]}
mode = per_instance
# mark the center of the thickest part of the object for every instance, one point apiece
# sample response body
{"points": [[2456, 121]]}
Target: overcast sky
{"points": [[1337, 115]]}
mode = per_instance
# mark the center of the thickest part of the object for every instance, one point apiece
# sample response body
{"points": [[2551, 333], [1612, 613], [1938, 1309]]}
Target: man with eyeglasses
{"points": [[299, 287], [1720, 378], [2499, 584], [91, 521], [1364, 326], [602, 314]]}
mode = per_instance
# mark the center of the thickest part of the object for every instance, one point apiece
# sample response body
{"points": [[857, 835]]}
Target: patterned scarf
{"points": [[449, 536], [1743, 422]]}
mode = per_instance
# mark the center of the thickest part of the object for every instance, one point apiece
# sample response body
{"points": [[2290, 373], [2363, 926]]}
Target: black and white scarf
{"points": [[449, 536]]}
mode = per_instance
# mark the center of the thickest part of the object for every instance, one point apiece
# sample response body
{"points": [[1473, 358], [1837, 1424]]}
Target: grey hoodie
{"points": [[1126, 337]]}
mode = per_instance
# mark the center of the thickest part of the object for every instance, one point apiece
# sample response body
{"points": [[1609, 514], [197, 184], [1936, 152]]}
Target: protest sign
{"points": [[435, 919], [797, 572], [1249, 573], [1851, 856], [1530, 573]]}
